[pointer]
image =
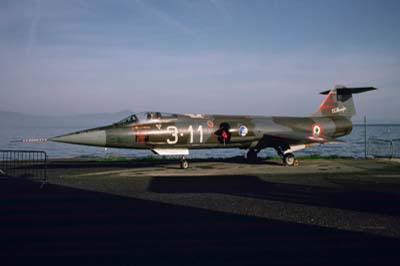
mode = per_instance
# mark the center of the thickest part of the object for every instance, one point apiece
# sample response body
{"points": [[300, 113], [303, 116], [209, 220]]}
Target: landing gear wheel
{"points": [[251, 156], [290, 160], [184, 163]]}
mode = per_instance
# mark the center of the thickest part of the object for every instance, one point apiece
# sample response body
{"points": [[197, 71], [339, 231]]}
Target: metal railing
{"points": [[383, 148], [24, 164]]}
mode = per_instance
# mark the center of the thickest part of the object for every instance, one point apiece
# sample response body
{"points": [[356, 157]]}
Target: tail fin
{"points": [[339, 101]]}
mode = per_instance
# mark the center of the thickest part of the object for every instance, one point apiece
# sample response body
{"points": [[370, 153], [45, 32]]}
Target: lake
{"points": [[353, 146]]}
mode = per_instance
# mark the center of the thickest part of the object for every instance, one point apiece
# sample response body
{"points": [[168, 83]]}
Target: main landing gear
{"points": [[251, 156], [288, 158], [184, 163]]}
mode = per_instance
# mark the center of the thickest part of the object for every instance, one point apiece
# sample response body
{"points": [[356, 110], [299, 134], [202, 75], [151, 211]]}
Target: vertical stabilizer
{"points": [[339, 101]]}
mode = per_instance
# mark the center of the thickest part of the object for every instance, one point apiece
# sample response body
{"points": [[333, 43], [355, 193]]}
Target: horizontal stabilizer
{"points": [[345, 90]]}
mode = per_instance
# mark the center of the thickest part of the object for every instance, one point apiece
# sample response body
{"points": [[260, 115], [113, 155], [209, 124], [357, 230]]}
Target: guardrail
{"points": [[24, 164], [383, 148]]}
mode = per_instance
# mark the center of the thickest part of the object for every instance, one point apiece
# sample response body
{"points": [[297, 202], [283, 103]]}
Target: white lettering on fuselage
{"points": [[339, 110], [174, 133]]}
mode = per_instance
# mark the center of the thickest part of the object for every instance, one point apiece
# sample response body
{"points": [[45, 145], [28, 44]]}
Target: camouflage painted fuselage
{"points": [[201, 132]]}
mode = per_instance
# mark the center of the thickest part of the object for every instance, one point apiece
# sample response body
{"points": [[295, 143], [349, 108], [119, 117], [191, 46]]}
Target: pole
{"points": [[365, 137]]}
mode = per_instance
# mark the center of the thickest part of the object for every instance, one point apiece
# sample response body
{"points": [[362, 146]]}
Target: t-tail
{"points": [[339, 101]]}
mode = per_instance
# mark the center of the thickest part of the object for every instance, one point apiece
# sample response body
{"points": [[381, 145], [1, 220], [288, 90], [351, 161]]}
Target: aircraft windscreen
{"points": [[146, 117], [129, 119]]}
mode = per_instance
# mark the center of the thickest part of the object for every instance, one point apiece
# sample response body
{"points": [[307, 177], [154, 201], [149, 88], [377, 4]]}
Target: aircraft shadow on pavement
{"points": [[349, 195], [78, 164], [98, 228]]}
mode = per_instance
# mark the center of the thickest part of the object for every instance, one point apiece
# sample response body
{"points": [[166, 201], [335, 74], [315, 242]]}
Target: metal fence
{"points": [[383, 148], [24, 164]]}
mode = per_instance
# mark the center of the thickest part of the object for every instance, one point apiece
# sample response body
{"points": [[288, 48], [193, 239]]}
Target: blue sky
{"points": [[210, 56]]}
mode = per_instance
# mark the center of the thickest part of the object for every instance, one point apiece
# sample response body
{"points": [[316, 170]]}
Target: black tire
{"points": [[289, 159], [184, 164], [251, 156]]}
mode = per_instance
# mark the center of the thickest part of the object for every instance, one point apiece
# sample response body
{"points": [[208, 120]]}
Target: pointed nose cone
{"points": [[87, 137]]}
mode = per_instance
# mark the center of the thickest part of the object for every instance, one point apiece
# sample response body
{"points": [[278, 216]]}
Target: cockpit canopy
{"points": [[147, 117]]}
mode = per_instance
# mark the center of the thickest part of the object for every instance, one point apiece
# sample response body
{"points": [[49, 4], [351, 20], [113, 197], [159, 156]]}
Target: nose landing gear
{"points": [[184, 163]]}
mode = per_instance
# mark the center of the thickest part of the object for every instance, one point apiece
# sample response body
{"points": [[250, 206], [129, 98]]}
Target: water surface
{"points": [[353, 145]]}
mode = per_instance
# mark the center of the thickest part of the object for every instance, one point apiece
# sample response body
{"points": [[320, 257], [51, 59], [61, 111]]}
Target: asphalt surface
{"points": [[324, 212]]}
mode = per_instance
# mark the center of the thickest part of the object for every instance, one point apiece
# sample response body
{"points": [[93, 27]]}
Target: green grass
{"points": [[312, 157], [318, 156], [112, 158]]}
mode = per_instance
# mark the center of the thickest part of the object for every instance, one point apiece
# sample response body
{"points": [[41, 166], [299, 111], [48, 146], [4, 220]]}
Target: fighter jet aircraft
{"points": [[176, 134]]}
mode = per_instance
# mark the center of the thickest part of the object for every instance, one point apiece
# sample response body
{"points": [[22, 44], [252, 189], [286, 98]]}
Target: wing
{"points": [[289, 138]]}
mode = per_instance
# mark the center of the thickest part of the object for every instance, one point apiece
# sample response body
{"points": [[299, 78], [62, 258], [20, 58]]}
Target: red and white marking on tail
{"points": [[329, 101]]}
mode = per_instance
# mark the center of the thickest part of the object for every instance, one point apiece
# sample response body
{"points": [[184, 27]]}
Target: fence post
{"points": [[391, 149], [365, 137]]}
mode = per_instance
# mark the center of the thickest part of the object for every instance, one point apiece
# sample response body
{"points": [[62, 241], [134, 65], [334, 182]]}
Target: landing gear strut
{"points": [[251, 156], [184, 163]]}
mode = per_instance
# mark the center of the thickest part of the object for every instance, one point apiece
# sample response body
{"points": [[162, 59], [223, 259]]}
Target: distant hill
{"points": [[12, 119], [376, 122]]}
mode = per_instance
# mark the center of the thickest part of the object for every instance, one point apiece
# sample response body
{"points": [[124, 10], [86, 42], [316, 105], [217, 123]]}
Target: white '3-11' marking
{"points": [[174, 133]]}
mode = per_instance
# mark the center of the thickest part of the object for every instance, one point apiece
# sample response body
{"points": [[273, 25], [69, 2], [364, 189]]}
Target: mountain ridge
{"points": [[15, 119]]}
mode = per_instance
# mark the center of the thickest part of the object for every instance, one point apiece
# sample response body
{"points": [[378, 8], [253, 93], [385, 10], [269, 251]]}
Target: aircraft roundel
{"points": [[243, 130], [316, 129]]}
